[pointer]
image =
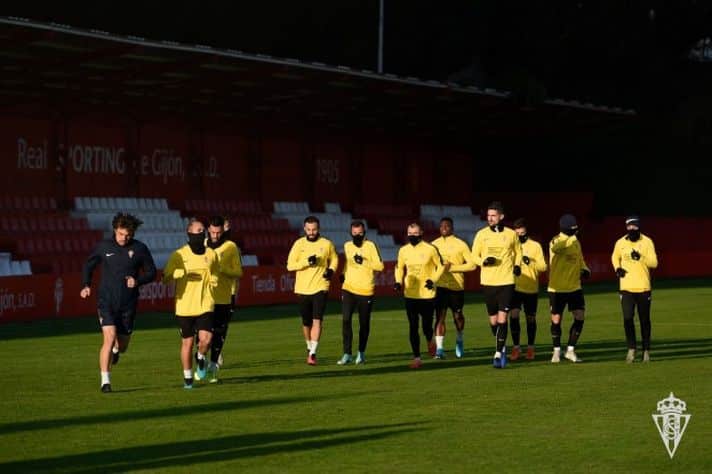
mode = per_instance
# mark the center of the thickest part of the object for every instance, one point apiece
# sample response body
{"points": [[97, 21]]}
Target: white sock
{"points": [[308, 345], [557, 349], [314, 346], [201, 356], [439, 341], [459, 335], [497, 355], [115, 350], [105, 377], [187, 374], [569, 348]]}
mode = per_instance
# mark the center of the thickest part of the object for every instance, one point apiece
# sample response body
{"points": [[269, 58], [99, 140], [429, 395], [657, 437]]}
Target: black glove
{"points": [[312, 260], [517, 270], [489, 261], [358, 259], [342, 278], [620, 273], [397, 287], [429, 284], [526, 260], [585, 273], [635, 255], [327, 274]]}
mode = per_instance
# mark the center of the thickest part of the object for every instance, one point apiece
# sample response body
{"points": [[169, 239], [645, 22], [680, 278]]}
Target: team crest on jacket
{"points": [[131, 253]]}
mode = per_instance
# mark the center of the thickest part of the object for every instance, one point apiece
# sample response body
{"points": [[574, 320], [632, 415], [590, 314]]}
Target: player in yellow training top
{"points": [[450, 288], [362, 259], [566, 270], [314, 259], [633, 258], [497, 251], [419, 266], [526, 290], [230, 263], [194, 268]]}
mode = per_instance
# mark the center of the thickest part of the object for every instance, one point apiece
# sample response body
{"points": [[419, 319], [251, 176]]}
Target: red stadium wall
{"points": [[102, 156]]}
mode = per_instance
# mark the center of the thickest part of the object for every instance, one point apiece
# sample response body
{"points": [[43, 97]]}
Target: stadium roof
{"points": [[68, 68]]}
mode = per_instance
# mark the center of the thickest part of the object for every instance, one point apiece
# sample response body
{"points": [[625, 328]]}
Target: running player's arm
{"points": [[437, 260], [333, 257], [517, 250], [293, 262], [477, 248], [469, 261], [175, 269], [400, 266], [616, 256], [561, 242], [230, 262], [93, 260], [373, 260], [648, 255], [148, 268], [538, 259], [214, 270], [583, 262]]}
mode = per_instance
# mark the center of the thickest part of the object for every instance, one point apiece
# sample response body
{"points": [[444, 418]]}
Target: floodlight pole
{"points": [[380, 38]]}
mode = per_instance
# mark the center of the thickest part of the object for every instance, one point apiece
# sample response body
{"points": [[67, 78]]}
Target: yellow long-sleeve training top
{"points": [[504, 246], [565, 264], [230, 263], [420, 263], [455, 251], [528, 281], [359, 278], [195, 277], [637, 278], [310, 279]]}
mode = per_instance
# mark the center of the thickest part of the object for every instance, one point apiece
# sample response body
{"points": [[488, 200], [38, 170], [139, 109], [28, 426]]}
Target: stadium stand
{"points": [[163, 229], [40, 238], [335, 225], [466, 224]]}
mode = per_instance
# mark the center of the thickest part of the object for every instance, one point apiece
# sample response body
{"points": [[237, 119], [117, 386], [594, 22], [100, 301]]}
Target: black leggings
{"points": [[424, 309], [349, 303], [628, 303]]}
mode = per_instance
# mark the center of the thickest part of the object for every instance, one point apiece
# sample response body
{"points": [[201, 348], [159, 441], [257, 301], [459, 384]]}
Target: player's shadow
{"points": [[148, 414], [194, 452], [663, 349], [379, 365]]}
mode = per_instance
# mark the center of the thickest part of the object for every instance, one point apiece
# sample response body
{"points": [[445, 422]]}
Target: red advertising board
{"points": [[51, 296]]}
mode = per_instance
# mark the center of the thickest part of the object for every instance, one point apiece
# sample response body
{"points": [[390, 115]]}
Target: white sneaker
{"points": [[556, 358], [630, 358], [360, 358], [571, 355], [646, 356]]}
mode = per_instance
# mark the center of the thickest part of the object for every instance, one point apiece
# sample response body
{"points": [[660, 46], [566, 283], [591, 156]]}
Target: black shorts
{"points": [[222, 315], [418, 307], [559, 301], [189, 325], [312, 307], [123, 320], [498, 298], [446, 298], [529, 300]]}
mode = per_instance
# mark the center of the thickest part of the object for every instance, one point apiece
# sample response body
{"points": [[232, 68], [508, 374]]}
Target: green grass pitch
{"points": [[274, 413]]}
